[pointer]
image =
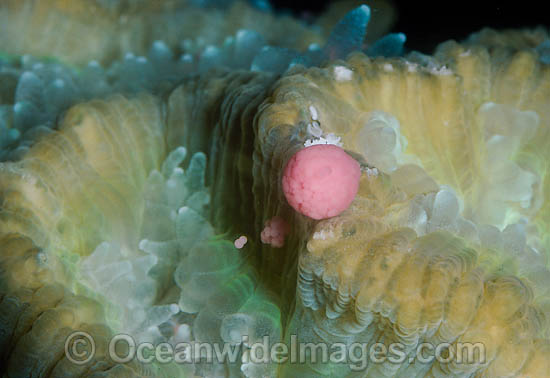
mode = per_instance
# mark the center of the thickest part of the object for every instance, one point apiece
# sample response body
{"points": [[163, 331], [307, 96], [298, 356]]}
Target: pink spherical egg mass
{"points": [[321, 181]]}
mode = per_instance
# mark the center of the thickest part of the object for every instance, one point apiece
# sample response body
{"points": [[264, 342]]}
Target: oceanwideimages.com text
{"points": [[80, 349]]}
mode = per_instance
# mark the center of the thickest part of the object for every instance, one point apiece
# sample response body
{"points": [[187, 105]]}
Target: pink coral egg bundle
{"points": [[321, 181], [275, 231]]}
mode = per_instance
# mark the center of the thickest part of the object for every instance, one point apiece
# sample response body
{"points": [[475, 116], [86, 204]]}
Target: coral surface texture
{"points": [[208, 188]]}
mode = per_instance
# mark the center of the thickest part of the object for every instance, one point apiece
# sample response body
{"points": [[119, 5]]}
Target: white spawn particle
{"points": [[314, 129], [41, 257], [333, 139], [388, 67], [312, 142], [313, 112], [328, 139], [342, 73], [371, 172]]}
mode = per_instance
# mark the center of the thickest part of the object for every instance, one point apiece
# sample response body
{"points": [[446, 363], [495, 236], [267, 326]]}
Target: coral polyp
{"points": [[204, 188]]}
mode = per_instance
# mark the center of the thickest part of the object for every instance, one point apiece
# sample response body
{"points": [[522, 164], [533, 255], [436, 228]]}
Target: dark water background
{"points": [[427, 24]]}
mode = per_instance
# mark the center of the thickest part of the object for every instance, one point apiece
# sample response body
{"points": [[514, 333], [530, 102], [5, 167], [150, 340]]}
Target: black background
{"points": [[426, 24]]}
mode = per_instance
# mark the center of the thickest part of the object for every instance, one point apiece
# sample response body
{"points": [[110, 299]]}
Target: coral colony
{"points": [[184, 183]]}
